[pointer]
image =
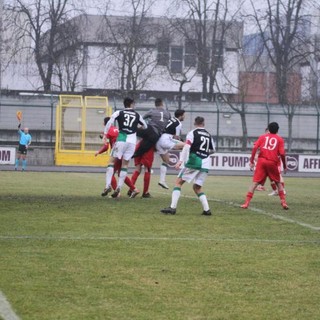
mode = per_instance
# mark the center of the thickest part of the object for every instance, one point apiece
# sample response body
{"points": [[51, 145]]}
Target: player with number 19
{"points": [[195, 156], [271, 148]]}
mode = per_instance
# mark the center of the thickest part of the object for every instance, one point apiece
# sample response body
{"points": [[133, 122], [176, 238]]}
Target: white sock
{"points": [[122, 176], [204, 201], [163, 172], [175, 197], [109, 174]]}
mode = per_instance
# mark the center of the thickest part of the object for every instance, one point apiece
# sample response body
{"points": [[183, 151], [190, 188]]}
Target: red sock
{"points": [[146, 182], [249, 197], [273, 186], [135, 176], [282, 196], [114, 183], [129, 183]]}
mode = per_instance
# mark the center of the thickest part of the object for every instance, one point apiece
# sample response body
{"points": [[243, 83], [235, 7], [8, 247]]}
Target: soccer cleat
{"points": [[284, 205], [106, 191], [163, 185], [273, 193], [146, 195], [134, 193], [168, 210], [245, 205], [116, 193], [129, 193], [206, 213]]}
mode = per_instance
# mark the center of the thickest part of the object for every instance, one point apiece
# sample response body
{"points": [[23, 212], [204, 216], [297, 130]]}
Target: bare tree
{"points": [[206, 24], [39, 21], [132, 44], [283, 30]]}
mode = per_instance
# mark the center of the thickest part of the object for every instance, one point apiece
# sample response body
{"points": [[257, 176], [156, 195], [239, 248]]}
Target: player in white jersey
{"points": [[169, 140], [128, 121], [195, 157]]}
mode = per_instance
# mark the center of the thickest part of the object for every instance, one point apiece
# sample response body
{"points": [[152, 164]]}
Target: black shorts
{"points": [[22, 149]]}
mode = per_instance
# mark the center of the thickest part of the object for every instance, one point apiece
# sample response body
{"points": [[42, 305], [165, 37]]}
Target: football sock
{"points": [[249, 197], [24, 164], [282, 196], [135, 176], [17, 163], [163, 172], [122, 176], [146, 181], [109, 175], [203, 199], [129, 183], [114, 182], [273, 186], [175, 197]]}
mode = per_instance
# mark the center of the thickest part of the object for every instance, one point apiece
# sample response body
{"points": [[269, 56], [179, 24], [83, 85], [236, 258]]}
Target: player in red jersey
{"points": [[109, 140], [146, 161], [271, 147]]}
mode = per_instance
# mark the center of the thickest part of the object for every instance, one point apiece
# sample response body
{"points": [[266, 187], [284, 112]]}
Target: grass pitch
{"points": [[68, 253]]}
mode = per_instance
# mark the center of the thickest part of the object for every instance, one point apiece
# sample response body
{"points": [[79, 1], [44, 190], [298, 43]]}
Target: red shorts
{"points": [[266, 168], [146, 159]]}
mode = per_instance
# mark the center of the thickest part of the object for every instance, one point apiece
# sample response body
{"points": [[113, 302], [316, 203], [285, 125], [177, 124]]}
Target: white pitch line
{"points": [[119, 238], [272, 215], [6, 311]]}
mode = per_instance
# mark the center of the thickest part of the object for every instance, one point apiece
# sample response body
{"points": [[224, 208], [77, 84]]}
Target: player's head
{"points": [[158, 102], [105, 120], [273, 127], [26, 130], [199, 122], [179, 114], [128, 102]]}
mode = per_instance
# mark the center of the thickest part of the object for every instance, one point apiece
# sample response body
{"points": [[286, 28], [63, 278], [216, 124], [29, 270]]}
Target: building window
{"points": [[190, 56], [176, 59], [217, 54], [163, 53]]}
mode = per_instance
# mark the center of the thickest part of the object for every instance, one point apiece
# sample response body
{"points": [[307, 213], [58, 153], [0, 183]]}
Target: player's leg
{"points": [[175, 196], [197, 188], [163, 170], [109, 175], [146, 183], [127, 152], [260, 174]]}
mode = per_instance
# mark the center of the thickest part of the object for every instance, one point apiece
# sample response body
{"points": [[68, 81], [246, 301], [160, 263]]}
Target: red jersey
{"points": [[271, 147], [112, 135]]}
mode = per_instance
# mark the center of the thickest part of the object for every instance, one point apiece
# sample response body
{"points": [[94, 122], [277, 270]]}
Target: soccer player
{"points": [[128, 121], [146, 161], [195, 156], [157, 119], [109, 140], [271, 147], [169, 140], [24, 143]]}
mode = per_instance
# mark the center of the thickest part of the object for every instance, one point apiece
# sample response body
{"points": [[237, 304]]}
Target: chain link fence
{"points": [[223, 122]]}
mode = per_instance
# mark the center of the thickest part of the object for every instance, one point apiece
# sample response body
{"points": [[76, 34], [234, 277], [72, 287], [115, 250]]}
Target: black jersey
{"points": [[201, 142], [173, 127], [128, 120]]}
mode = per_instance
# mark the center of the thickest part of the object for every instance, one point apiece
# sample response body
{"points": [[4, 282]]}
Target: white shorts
{"points": [[197, 176], [165, 143], [122, 149]]}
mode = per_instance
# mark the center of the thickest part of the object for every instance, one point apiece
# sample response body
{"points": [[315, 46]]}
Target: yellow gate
{"points": [[79, 123]]}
